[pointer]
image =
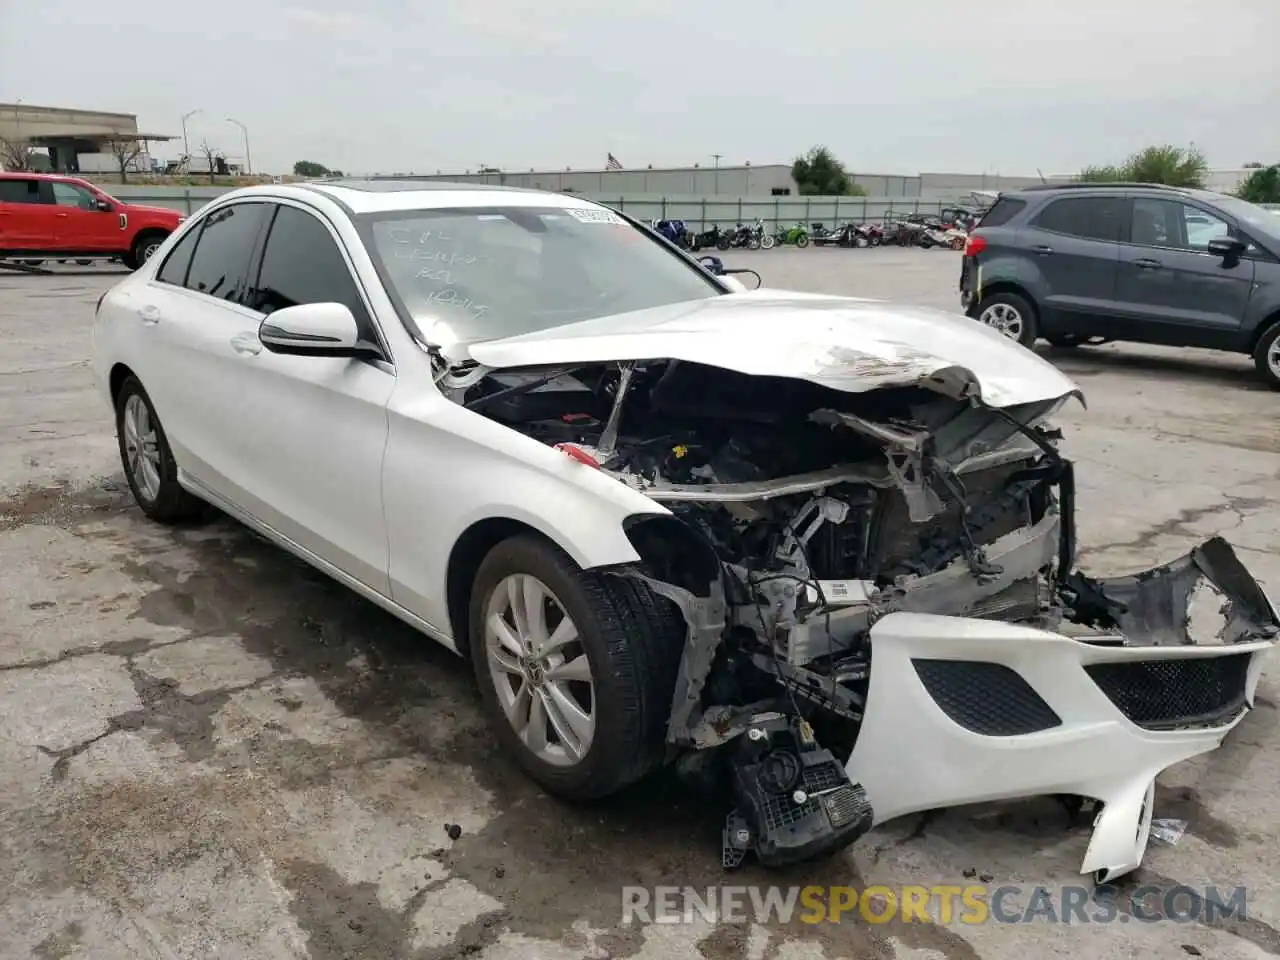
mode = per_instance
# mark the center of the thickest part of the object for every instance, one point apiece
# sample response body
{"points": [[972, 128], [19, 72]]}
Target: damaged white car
{"points": [[816, 551]]}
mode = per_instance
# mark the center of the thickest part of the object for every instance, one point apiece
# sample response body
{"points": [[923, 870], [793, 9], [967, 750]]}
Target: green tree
{"points": [[819, 173], [309, 168], [1167, 164], [1261, 186]]}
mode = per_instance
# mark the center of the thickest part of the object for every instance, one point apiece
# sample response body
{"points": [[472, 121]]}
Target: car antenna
{"points": [[1041, 176]]}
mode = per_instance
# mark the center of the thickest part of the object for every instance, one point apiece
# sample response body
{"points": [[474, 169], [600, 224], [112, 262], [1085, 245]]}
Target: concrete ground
{"points": [[209, 751]]}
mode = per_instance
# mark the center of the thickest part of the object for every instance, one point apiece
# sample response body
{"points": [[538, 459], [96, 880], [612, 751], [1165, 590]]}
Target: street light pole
{"points": [[715, 157], [248, 159], [186, 147]]}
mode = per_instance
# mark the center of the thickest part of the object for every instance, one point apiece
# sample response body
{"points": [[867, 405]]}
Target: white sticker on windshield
{"points": [[595, 216]]}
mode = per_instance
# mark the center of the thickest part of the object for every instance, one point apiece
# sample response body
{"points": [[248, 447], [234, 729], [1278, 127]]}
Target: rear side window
{"points": [[174, 268], [301, 263], [220, 265], [20, 191], [1001, 212], [1089, 218]]}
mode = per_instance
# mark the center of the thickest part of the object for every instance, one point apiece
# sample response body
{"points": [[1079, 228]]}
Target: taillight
{"points": [[974, 245]]}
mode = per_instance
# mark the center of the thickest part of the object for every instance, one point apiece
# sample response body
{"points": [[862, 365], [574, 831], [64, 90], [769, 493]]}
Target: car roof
{"points": [[1049, 189], [385, 196]]}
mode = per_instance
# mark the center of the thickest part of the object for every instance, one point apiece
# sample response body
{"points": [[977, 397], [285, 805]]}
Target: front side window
{"points": [[1200, 227], [220, 265], [463, 275], [20, 191], [70, 195], [1089, 218], [301, 263]]}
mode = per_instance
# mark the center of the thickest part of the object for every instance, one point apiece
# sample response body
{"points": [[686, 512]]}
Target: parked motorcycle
{"points": [[796, 236], [763, 236], [872, 233], [675, 231], [743, 236], [710, 238]]}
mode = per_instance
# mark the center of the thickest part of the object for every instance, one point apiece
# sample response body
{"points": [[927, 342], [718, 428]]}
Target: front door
{"points": [[82, 226], [1170, 283], [311, 431]]}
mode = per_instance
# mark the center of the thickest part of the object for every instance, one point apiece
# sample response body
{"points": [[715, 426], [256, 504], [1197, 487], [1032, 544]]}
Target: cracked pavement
{"points": [[209, 750]]}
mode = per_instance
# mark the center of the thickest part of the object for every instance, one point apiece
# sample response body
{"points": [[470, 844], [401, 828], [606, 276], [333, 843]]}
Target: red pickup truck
{"points": [[49, 216]]}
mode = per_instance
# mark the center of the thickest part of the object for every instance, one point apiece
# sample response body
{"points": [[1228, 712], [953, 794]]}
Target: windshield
{"points": [[1257, 220], [463, 275]]}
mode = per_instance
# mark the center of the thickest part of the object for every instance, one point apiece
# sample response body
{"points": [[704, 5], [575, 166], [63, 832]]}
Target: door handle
{"points": [[246, 343], [1146, 263], [149, 314], [1041, 249]]}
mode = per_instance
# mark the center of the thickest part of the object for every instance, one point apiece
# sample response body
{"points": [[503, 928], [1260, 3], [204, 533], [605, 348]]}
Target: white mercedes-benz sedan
{"points": [[815, 552]]}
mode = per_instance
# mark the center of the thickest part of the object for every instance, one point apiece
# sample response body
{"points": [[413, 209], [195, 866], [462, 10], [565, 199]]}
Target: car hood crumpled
{"points": [[844, 343]]}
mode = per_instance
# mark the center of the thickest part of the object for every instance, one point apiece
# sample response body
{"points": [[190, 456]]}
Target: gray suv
{"points": [[1087, 263]]}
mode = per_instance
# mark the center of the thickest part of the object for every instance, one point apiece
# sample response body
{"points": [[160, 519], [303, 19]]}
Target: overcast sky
{"points": [[892, 87]]}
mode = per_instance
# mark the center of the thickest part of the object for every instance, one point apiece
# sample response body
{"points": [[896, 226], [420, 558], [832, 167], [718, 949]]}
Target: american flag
{"points": [[612, 163]]}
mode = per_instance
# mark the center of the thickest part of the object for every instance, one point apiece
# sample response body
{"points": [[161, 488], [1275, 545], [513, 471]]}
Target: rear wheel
{"points": [[1266, 356], [1010, 314], [576, 668], [148, 461]]}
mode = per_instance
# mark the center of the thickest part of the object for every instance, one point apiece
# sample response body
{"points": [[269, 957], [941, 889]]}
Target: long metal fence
{"points": [[698, 212]]}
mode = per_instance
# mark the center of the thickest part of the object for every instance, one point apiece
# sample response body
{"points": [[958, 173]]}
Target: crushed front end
{"points": [[887, 576]]}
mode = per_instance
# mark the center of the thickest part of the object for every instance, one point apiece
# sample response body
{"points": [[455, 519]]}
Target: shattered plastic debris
{"points": [[1168, 831]]}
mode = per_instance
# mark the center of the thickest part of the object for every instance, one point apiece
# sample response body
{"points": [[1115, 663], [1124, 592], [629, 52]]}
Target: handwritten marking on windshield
{"points": [[440, 276], [454, 299], [405, 235], [439, 256]]}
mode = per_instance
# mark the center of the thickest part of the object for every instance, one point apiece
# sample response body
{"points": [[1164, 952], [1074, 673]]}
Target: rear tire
{"points": [[631, 640], [148, 461], [1266, 356], [1010, 314]]}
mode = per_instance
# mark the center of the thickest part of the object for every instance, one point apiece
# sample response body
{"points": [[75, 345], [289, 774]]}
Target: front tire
{"points": [[1009, 314], [143, 249], [802, 241], [1266, 356], [576, 668], [148, 461], [766, 243]]}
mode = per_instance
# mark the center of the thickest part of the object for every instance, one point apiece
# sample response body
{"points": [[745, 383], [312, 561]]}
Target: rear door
{"points": [[28, 218], [81, 225], [1169, 283], [1074, 241], [186, 317]]}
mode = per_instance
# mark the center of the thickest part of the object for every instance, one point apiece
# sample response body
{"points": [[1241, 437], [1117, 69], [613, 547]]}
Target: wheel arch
{"points": [[116, 378], [667, 547], [1269, 323]]}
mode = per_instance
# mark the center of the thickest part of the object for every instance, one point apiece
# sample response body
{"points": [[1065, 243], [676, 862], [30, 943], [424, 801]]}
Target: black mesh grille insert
{"points": [[1164, 694], [986, 698]]}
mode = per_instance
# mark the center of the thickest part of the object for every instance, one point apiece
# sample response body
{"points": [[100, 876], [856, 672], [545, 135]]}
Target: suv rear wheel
{"points": [[1010, 314], [1266, 355]]}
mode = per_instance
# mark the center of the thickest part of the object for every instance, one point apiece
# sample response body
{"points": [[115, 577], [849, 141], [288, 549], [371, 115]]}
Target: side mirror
{"points": [[1228, 248], [311, 330], [102, 205]]}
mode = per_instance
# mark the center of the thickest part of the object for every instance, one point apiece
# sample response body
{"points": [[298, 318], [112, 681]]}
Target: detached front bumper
{"points": [[962, 711]]}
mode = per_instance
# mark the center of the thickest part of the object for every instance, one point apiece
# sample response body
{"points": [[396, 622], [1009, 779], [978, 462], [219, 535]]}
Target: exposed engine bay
{"points": [[826, 511]]}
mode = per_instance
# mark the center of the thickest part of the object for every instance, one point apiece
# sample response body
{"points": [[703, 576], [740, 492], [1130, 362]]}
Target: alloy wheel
{"points": [[149, 250], [540, 670], [1273, 358], [142, 449], [1003, 317]]}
